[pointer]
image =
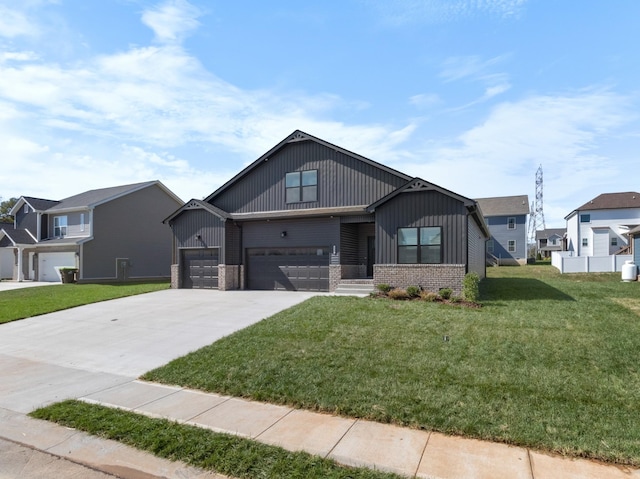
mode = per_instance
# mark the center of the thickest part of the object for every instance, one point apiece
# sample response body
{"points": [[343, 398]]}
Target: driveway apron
{"points": [[72, 353]]}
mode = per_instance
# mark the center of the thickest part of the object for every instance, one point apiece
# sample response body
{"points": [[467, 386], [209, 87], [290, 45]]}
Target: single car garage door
{"points": [[49, 264], [292, 269], [200, 268]]}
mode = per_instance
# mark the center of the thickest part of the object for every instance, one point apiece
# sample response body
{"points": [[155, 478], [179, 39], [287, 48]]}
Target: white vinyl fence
{"points": [[588, 264]]}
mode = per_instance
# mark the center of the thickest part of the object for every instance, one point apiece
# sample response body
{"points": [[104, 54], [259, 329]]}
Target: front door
{"points": [[371, 255]]}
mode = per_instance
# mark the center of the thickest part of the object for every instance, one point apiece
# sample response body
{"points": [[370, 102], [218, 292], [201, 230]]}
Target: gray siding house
{"points": [[109, 234], [506, 217], [309, 215]]}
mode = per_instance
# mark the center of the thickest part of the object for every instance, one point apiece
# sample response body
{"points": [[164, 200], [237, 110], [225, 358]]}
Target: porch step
{"points": [[355, 286]]}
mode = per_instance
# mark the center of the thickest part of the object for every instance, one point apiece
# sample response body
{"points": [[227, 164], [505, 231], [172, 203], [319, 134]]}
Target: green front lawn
{"points": [[549, 362], [24, 303], [229, 455]]}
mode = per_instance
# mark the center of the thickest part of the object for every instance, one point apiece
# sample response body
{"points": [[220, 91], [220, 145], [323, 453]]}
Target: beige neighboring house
{"points": [[109, 235]]}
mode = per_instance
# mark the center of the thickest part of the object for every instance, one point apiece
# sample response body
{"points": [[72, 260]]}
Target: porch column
{"points": [[20, 275]]}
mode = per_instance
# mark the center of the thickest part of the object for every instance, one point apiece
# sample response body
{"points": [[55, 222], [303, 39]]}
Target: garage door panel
{"points": [[292, 269], [49, 264], [200, 268]]}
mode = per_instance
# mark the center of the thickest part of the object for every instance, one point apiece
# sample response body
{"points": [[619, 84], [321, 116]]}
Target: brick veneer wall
{"points": [[228, 277], [431, 277], [335, 275], [175, 276]]}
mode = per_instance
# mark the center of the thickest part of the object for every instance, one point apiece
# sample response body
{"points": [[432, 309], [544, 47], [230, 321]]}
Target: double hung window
{"points": [[59, 226]]}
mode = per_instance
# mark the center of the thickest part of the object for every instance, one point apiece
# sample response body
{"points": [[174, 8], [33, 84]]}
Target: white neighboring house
{"points": [[600, 226]]}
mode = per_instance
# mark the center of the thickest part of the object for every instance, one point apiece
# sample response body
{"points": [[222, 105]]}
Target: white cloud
{"points": [[402, 12], [502, 154], [14, 23], [425, 100], [172, 20]]}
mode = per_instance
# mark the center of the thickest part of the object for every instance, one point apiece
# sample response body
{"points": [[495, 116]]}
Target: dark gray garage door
{"points": [[293, 269], [200, 268]]}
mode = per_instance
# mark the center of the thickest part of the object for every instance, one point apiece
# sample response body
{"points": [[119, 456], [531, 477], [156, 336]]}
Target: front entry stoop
{"points": [[355, 286]]}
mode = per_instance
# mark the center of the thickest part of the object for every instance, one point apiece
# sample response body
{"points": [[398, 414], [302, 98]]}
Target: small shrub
{"points": [[456, 299], [384, 288], [428, 296], [413, 291], [398, 293], [445, 293], [470, 289]]}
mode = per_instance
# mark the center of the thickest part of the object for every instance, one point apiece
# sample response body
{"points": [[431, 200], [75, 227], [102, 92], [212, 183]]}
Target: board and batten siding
{"points": [[310, 232], [342, 181], [422, 208], [27, 221], [191, 223]]}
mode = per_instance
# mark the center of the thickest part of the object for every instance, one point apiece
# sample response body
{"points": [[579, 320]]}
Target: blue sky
{"points": [[470, 95]]}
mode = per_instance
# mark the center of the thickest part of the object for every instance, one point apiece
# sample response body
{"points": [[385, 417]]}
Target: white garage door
{"points": [[49, 262], [7, 258]]}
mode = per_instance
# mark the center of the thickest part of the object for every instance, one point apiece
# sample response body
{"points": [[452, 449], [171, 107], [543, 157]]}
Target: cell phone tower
{"points": [[536, 218]]}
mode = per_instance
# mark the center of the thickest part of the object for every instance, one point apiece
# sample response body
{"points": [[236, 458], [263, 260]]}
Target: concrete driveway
{"points": [[7, 285], [72, 353]]}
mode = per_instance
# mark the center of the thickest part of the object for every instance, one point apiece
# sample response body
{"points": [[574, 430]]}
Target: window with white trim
{"points": [[614, 241], [511, 246], [511, 223], [59, 226], [301, 186], [585, 241], [585, 218], [420, 245]]}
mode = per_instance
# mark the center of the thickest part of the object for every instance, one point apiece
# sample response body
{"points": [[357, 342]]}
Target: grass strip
{"points": [[549, 362], [222, 453], [27, 302]]}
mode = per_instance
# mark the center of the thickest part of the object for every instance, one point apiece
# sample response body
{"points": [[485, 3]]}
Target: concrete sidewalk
{"points": [[352, 442]]}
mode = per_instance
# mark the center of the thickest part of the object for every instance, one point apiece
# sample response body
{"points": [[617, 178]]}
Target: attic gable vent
{"points": [[297, 136], [192, 205]]}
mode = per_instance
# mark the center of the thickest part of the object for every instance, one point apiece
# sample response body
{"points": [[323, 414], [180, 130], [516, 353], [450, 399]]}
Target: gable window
{"points": [[586, 218], [614, 241], [420, 245], [59, 226], [511, 246], [301, 186], [26, 208], [511, 223], [585, 241]]}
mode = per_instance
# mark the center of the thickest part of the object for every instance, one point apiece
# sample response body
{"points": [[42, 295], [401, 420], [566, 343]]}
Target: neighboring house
{"points": [[600, 226], [308, 215], [6, 256], [109, 234], [634, 241], [506, 217], [549, 240]]}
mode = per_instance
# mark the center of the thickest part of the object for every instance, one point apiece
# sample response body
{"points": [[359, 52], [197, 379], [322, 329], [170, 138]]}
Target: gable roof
{"points": [[295, 137], [549, 232], [504, 205], [93, 198], [37, 204], [194, 204], [18, 236], [418, 184], [609, 201]]}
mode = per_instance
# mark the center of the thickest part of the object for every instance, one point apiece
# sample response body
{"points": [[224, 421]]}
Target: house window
{"points": [[614, 241], [585, 241], [586, 218], [490, 246], [511, 246], [511, 223], [81, 221], [301, 186], [420, 245], [26, 208], [59, 226]]}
